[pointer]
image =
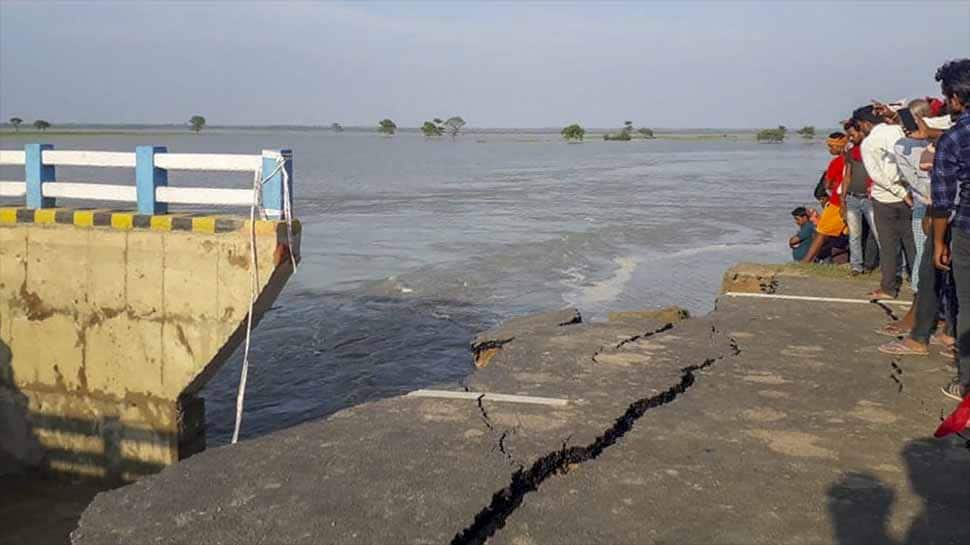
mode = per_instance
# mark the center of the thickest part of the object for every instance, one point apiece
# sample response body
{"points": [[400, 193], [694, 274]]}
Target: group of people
{"points": [[900, 179]]}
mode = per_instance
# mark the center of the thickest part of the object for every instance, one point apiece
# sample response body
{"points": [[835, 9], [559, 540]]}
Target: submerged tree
{"points": [[386, 127], [454, 125], [807, 131], [16, 121], [430, 129], [197, 122], [772, 135], [645, 132], [624, 135], [41, 125], [337, 127], [573, 132]]}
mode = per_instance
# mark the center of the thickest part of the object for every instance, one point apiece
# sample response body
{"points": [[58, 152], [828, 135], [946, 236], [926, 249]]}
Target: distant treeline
{"points": [[372, 128]]}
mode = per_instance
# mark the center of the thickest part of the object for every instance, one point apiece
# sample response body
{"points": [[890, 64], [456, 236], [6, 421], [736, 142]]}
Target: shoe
{"points": [[954, 390], [856, 272]]}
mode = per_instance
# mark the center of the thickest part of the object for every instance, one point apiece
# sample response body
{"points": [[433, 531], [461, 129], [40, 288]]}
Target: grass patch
{"points": [[819, 270]]}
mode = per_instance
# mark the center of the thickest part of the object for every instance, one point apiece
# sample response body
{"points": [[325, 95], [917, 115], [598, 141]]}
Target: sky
{"points": [[672, 65]]}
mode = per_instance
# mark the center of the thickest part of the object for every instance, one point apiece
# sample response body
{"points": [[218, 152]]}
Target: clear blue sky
{"points": [[689, 64]]}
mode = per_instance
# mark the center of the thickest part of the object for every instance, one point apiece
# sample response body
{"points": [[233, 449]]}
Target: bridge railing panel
{"points": [[151, 192]]}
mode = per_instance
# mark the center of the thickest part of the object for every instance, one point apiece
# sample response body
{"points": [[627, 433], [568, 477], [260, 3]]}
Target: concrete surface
{"points": [[768, 421], [107, 332]]}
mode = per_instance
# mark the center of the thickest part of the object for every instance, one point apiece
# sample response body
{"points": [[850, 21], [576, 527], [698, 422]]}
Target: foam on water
{"points": [[594, 295]]}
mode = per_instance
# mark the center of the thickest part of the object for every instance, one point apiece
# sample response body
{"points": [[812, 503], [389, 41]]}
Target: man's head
{"points": [[954, 78], [853, 133], [865, 119], [920, 107], [800, 215], [836, 143]]}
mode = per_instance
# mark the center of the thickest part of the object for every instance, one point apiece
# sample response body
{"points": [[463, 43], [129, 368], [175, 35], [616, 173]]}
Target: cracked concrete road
{"points": [[768, 421]]}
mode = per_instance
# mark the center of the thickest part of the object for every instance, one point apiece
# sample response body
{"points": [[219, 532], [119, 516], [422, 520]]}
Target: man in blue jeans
{"points": [[856, 201], [951, 198]]}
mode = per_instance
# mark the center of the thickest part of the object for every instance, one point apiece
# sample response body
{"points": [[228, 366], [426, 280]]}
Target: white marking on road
{"points": [[818, 299], [448, 394]]}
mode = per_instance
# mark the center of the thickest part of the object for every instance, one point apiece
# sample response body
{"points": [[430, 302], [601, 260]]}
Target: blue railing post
{"points": [[272, 196], [35, 174], [147, 178]]}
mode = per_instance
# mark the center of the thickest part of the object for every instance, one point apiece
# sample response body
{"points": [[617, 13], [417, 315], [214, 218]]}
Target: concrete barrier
{"points": [[111, 322]]}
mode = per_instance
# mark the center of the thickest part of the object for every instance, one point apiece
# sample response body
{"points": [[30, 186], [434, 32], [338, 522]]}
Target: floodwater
{"points": [[411, 246]]}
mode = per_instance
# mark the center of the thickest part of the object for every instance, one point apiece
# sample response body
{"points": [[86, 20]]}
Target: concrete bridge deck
{"points": [[767, 421]]}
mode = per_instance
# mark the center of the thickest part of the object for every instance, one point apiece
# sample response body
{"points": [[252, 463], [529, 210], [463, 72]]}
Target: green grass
{"points": [[819, 270]]}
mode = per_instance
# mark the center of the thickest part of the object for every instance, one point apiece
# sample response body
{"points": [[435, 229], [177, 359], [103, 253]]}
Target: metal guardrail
{"points": [[150, 191]]}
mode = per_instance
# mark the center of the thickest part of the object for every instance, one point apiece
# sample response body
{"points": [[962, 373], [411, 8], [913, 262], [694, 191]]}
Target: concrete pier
{"points": [[771, 420], [111, 322]]}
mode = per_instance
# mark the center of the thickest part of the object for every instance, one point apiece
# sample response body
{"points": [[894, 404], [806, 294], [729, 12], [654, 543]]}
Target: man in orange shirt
{"points": [[831, 223]]}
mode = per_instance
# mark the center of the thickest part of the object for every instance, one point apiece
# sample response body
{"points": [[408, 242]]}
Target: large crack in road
{"points": [[504, 502], [664, 328]]}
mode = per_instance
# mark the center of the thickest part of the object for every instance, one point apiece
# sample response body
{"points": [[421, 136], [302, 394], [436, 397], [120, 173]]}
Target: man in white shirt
{"points": [[891, 201], [908, 152]]}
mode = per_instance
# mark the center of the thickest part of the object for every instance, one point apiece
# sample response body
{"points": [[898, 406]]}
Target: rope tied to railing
{"points": [[258, 181]]}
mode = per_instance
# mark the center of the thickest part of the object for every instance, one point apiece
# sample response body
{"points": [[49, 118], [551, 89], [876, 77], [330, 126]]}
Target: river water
{"points": [[410, 246]]}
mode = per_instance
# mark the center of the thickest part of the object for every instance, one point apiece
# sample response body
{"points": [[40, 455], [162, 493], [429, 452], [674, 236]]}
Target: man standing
{"points": [[951, 197], [912, 153], [855, 201], [890, 198], [907, 155]]}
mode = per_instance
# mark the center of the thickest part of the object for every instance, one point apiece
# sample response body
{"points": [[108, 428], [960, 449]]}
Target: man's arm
{"points": [[945, 174], [941, 250]]}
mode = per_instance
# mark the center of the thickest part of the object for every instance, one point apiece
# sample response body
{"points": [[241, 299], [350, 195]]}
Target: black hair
{"points": [[866, 113], [837, 134], [850, 124], [799, 212], [954, 78]]}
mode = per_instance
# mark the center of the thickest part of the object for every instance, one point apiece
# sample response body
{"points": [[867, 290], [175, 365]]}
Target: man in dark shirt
{"points": [[857, 205], [800, 243], [951, 197]]}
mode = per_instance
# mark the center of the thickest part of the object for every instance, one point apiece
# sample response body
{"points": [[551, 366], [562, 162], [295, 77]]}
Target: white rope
{"points": [[258, 181], [819, 299], [287, 209], [253, 287]]}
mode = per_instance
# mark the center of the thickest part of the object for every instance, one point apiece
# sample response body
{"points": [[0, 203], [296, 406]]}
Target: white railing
{"points": [[271, 170]]}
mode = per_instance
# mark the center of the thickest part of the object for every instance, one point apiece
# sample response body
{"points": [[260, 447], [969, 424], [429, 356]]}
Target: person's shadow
{"points": [[860, 503]]}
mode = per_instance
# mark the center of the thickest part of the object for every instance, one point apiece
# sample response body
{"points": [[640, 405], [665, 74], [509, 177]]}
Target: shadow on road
{"points": [[861, 504]]}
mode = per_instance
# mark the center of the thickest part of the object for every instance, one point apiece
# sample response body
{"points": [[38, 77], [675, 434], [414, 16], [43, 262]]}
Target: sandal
{"points": [[892, 330], [937, 340], [900, 348], [879, 295]]}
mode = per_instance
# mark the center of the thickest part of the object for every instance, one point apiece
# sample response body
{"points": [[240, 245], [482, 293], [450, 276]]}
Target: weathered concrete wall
{"points": [[110, 323]]}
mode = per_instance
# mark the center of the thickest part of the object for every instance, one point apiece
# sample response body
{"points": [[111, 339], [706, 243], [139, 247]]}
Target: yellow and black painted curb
{"points": [[124, 221]]}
